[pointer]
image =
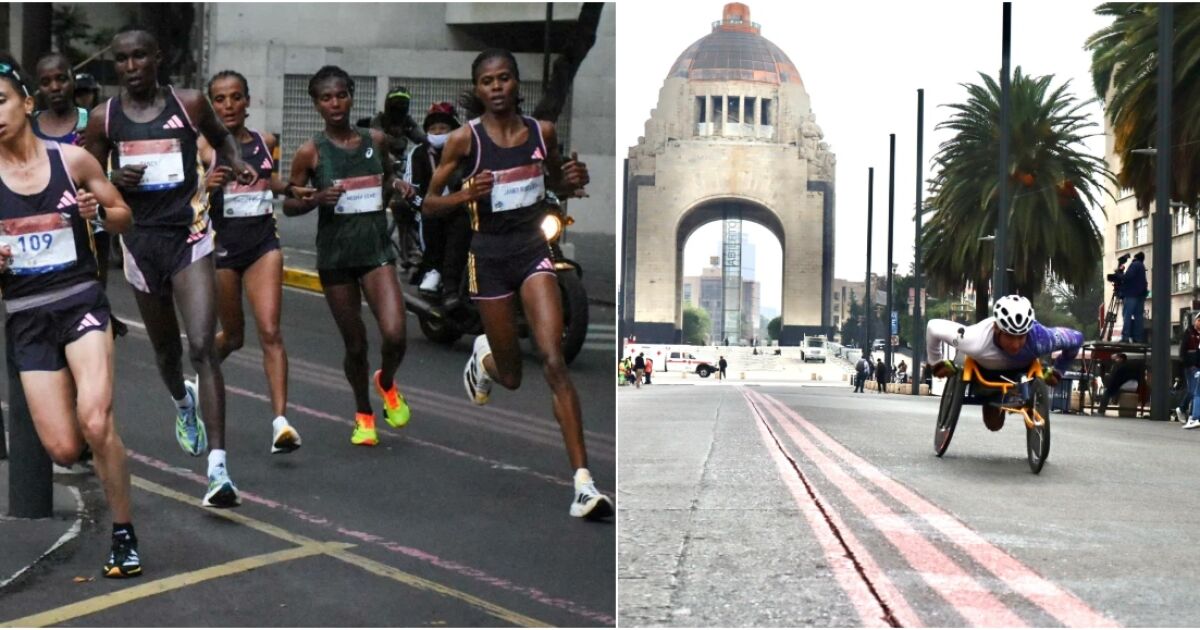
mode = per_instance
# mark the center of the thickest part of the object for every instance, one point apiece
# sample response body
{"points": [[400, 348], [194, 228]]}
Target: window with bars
{"points": [[301, 120], [1182, 275], [1123, 236], [426, 92]]}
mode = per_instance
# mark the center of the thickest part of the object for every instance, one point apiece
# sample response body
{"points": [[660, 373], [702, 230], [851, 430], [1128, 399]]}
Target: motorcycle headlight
{"points": [[552, 227]]}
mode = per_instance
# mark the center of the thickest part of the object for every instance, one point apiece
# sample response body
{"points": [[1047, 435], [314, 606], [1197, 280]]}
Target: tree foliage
{"points": [[696, 325]]}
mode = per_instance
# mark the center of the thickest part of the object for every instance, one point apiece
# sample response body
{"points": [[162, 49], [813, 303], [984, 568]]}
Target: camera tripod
{"points": [[1110, 316]]}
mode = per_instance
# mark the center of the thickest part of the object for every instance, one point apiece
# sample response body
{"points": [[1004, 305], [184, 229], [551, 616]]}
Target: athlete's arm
{"points": [[303, 200], [100, 146], [565, 179], [458, 145], [96, 190], [1065, 340], [218, 137], [939, 332], [214, 177], [391, 184]]}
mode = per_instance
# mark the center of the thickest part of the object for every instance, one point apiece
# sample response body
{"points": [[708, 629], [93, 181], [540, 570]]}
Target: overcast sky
{"points": [[861, 64]]}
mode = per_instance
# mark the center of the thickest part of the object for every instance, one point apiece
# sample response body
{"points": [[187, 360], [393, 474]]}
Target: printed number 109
{"points": [[35, 242]]}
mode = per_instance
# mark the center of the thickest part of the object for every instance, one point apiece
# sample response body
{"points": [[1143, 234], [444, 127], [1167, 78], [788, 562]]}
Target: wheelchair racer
{"points": [[1011, 339]]}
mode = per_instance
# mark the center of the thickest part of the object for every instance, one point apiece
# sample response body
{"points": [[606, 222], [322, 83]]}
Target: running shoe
{"points": [[589, 503], [286, 440], [395, 408], [364, 430], [189, 428], [221, 491], [123, 561], [475, 378], [1192, 424]]}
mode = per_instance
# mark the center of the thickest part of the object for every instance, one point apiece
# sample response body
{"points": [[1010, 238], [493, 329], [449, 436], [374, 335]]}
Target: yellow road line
{"points": [[301, 279], [124, 596], [378, 568]]}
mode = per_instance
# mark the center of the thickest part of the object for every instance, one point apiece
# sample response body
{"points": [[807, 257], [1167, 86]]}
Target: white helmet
{"points": [[1014, 314]]}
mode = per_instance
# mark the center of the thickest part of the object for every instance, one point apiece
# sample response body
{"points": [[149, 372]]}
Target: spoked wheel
{"points": [[1037, 437], [951, 407]]}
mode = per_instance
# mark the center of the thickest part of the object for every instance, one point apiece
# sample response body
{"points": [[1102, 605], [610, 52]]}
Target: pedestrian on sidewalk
{"points": [[862, 370], [1189, 354], [880, 374], [649, 369], [722, 364], [639, 370]]}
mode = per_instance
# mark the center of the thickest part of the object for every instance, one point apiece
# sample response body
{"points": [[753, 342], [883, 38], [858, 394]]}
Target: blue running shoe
{"points": [[221, 491], [189, 427]]}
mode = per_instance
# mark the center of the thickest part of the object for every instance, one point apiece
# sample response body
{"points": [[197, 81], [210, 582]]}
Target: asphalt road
{"points": [[798, 506], [458, 519]]}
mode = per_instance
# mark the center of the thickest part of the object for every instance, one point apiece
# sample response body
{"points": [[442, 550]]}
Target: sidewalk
{"points": [[25, 542]]}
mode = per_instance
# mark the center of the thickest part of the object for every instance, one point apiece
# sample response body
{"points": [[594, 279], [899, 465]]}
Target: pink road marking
{"points": [[974, 601], [1054, 600], [321, 415], [479, 575], [840, 545]]}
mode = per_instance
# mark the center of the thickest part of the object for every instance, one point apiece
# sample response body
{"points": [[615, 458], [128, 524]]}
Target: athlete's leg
{"points": [[196, 295], [382, 290], [91, 359], [345, 303], [542, 302], [53, 413], [229, 311], [264, 287], [158, 313], [499, 317]]}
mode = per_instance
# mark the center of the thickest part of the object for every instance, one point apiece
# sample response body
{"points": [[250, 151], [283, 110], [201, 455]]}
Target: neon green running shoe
{"points": [[189, 428], [395, 408]]}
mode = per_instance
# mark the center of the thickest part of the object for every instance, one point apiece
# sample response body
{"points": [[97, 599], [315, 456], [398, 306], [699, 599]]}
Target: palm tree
{"points": [[1053, 181], [1125, 74]]}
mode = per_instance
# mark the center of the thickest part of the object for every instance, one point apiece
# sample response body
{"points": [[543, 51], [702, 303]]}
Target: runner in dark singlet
{"points": [[57, 327], [248, 245], [149, 132], [354, 180], [512, 160]]}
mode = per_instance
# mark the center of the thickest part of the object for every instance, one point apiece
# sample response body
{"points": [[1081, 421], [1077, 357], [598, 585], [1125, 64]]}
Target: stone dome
{"points": [[735, 51]]}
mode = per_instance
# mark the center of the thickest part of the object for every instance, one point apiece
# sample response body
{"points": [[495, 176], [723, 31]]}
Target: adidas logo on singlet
{"points": [[266, 164], [537, 154], [67, 200], [173, 123]]}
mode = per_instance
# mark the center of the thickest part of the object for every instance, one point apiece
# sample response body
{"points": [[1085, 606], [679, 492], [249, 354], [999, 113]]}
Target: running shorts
{"points": [[154, 256], [40, 334]]}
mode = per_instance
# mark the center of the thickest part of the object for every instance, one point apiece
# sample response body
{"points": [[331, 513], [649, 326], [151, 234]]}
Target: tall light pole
{"points": [[870, 222], [887, 352], [918, 335], [1000, 247], [1160, 347]]}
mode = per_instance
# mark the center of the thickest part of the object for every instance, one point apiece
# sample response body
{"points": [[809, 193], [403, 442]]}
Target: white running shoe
{"points": [[432, 282], [589, 503], [221, 491], [475, 378], [1192, 424], [286, 439]]}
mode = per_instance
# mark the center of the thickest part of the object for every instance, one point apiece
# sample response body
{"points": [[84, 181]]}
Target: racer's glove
{"points": [[1051, 376], [942, 369]]}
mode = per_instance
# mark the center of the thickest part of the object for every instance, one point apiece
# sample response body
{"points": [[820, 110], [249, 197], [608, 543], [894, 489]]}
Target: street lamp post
{"points": [[1161, 306], [887, 352], [918, 336], [870, 222], [1000, 249]]}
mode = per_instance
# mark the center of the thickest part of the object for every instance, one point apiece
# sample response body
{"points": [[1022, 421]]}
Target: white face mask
{"points": [[437, 141]]}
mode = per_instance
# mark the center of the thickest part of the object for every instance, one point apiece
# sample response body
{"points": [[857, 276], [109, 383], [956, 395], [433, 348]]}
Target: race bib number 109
{"points": [[39, 244]]}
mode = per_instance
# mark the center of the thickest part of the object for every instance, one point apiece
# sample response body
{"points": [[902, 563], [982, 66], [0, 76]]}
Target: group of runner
{"points": [[190, 189]]}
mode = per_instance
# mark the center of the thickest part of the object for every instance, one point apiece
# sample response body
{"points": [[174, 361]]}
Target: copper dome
{"points": [[735, 51]]}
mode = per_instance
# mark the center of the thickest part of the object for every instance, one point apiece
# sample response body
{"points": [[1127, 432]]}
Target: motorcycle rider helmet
{"points": [[1014, 314]]}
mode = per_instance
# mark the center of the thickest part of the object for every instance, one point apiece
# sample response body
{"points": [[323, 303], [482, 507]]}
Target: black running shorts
{"points": [[40, 335], [493, 277], [154, 256]]}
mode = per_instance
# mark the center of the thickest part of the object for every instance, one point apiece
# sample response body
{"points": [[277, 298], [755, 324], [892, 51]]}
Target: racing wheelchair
{"points": [[1022, 392]]}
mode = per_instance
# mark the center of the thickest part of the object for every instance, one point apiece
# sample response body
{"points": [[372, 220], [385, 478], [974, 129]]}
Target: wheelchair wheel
{"points": [[948, 412], [1037, 438]]}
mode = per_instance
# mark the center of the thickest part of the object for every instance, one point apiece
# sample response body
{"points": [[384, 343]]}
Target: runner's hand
{"points": [[87, 205], [300, 192], [246, 176], [1051, 376], [480, 186], [327, 197], [5, 258], [128, 176], [218, 177], [404, 188], [942, 369], [575, 175]]}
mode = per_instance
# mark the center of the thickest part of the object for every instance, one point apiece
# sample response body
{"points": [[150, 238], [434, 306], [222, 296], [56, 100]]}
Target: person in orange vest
{"points": [[649, 369]]}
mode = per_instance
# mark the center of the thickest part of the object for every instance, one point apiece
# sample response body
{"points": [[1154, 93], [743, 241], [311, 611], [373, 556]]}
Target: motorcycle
{"points": [[446, 325]]}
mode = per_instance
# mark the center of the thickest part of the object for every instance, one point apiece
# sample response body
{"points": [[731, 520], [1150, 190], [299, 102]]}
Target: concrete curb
{"points": [[301, 279], [70, 535]]}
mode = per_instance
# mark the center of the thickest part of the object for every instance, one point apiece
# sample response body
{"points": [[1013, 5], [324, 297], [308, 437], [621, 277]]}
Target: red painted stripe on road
{"points": [[479, 575], [841, 547], [1054, 600], [971, 599]]}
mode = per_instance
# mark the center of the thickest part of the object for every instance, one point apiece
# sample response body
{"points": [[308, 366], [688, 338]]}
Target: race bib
{"points": [[163, 160], [518, 187], [363, 194], [40, 244], [248, 201]]}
